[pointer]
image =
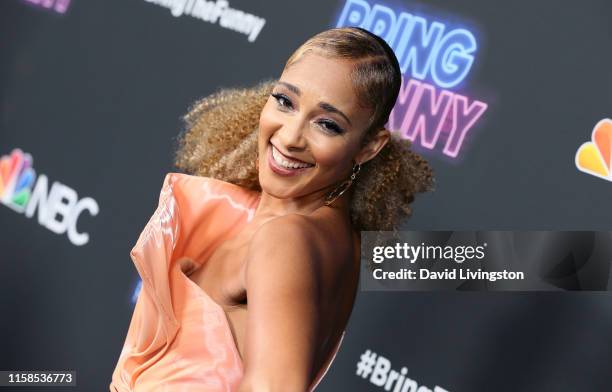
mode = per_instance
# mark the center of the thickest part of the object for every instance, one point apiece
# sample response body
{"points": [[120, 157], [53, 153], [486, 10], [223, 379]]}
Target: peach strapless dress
{"points": [[179, 339]]}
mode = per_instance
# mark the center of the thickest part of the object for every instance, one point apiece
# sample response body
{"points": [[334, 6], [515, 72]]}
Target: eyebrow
{"points": [[323, 105]]}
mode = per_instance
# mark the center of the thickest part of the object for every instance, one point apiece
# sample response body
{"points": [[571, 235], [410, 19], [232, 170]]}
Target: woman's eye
{"points": [[331, 126], [283, 100], [328, 125]]}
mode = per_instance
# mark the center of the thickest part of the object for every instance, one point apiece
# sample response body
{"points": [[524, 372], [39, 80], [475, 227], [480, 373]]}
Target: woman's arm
{"points": [[282, 278]]}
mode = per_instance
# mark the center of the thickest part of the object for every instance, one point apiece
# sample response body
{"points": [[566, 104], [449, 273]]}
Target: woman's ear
{"points": [[374, 145]]}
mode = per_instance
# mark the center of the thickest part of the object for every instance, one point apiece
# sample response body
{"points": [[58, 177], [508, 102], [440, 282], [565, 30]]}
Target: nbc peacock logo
{"points": [[595, 157], [16, 179], [59, 208]]}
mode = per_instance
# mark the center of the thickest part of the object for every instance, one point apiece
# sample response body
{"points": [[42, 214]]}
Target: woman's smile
{"points": [[283, 165]]}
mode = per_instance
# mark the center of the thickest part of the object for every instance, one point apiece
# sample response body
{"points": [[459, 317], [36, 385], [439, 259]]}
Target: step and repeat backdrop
{"points": [[509, 102]]}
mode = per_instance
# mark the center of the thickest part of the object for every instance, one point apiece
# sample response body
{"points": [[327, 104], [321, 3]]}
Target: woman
{"points": [[267, 235]]}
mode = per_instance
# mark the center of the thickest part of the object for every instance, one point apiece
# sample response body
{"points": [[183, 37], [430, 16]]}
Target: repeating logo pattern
{"points": [[595, 157]]}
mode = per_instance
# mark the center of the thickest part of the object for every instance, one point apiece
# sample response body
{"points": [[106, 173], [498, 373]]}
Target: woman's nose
{"points": [[292, 136]]}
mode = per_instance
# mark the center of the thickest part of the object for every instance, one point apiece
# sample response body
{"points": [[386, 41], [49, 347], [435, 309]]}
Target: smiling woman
{"points": [[265, 225]]}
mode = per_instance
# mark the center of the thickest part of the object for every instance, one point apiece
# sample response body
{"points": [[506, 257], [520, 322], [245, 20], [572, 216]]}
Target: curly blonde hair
{"points": [[221, 132]]}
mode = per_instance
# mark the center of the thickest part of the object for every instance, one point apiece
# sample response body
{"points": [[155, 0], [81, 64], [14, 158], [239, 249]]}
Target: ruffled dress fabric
{"points": [[179, 339]]}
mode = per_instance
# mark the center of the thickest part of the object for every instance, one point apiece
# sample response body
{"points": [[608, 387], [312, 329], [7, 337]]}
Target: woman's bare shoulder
{"points": [[308, 239], [299, 231], [282, 261]]}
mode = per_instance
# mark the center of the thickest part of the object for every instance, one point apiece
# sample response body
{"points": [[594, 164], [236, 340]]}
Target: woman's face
{"points": [[310, 129]]}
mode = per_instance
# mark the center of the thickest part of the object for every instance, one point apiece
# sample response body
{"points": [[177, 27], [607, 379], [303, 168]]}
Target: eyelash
{"points": [[327, 125]]}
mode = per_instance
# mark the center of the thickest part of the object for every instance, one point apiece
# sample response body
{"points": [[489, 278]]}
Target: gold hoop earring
{"points": [[340, 189]]}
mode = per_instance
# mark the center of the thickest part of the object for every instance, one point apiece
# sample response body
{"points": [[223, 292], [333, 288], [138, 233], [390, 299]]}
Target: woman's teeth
{"points": [[279, 159]]}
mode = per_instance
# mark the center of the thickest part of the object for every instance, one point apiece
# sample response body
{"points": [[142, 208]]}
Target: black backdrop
{"points": [[95, 93]]}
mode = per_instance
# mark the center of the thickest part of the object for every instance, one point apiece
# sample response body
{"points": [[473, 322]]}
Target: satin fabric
{"points": [[179, 339]]}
